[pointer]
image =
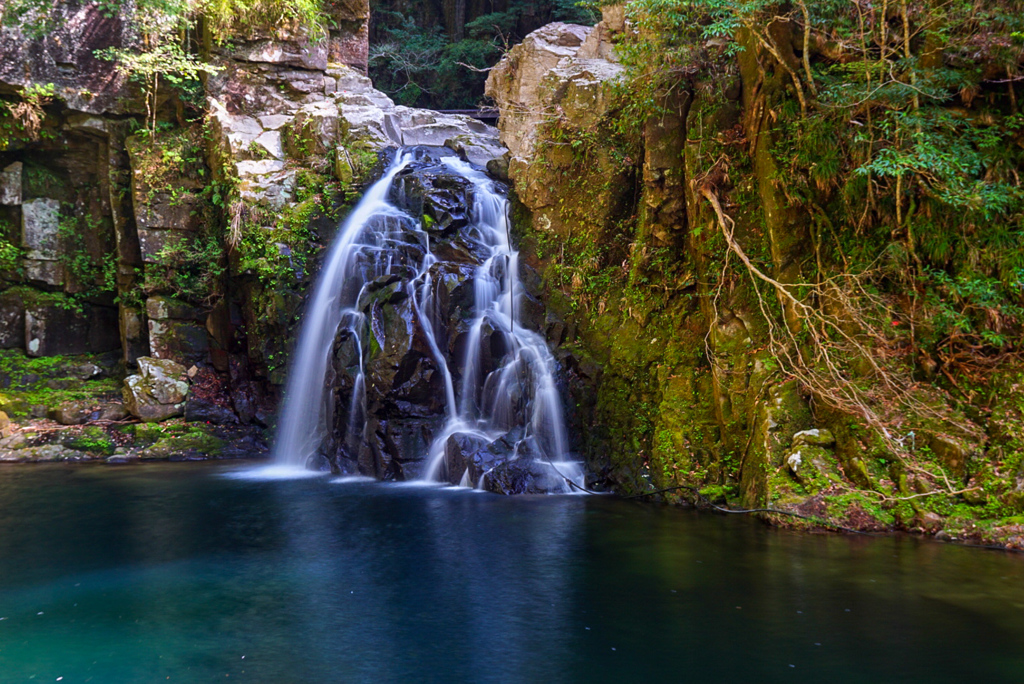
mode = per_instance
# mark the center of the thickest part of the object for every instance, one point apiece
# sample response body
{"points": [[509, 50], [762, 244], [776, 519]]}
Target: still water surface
{"points": [[180, 572]]}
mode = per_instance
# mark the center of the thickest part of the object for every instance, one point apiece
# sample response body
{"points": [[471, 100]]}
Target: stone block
{"points": [[314, 131], [273, 122], [274, 190], [10, 184], [40, 225], [258, 168], [168, 308], [300, 82], [351, 48], [82, 412], [305, 55], [167, 212], [134, 334], [237, 131], [45, 272], [271, 142], [151, 242], [183, 341], [51, 330], [158, 392], [12, 321]]}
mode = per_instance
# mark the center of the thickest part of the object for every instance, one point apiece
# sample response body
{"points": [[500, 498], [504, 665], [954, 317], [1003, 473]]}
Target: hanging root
{"points": [[818, 362]]}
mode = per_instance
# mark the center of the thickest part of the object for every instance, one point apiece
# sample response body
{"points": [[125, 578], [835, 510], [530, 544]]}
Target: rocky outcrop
{"points": [[561, 74], [336, 112], [158, 392], [63, 185], [285, 128], [63, 54]]}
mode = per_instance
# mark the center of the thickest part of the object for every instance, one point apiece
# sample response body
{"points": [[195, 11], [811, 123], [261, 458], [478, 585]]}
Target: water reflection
{"points": [[174, 571]]}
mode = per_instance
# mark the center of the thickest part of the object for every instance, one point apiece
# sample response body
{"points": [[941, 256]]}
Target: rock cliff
{"points": [[195, 244], [671, 362]]}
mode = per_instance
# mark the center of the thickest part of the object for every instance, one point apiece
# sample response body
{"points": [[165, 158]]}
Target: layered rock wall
{"points": [[116, 240]]}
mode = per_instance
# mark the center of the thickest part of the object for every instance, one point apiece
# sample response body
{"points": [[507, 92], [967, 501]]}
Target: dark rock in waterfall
{"points": [[244, 392], [407, 444], [418, 387], [523, 476], [410, 339], [443, 199], [465, 452], [531, 312]]}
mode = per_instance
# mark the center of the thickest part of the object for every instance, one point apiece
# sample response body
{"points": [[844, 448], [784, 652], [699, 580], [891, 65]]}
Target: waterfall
{"points": [[304, 416], [494, 415]]}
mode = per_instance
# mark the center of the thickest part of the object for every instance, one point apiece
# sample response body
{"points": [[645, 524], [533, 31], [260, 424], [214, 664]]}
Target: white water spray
{"points": [[517, 400], [305, 416]]}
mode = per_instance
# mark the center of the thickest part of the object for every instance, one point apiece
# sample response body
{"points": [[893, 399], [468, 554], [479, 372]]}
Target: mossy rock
{"points": [[93, 440], [186, 444]]}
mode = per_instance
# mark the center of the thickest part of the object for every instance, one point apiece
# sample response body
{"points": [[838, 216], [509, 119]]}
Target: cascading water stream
{"points": [[513, 401], [304, 418]]}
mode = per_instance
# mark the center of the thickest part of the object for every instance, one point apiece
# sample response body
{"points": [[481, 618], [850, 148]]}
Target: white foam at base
{"points": [[273, 472]]}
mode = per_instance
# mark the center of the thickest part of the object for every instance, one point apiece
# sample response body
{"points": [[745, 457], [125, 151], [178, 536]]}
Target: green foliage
{"points": [[189, 269], [224, 18], [276, 248], [424, 64], [92, 439], [166, 62], [48, 381], [93, 275], [22, 118], [10, 260], [979, 308]]}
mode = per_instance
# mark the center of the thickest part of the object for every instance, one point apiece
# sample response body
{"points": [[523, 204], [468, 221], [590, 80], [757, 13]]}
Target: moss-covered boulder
{"points": [[158, 392]]}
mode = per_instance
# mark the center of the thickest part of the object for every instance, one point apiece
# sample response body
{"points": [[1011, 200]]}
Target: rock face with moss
{"points": [[292, 136], [116, 235], [711, 341], [180, 220]]}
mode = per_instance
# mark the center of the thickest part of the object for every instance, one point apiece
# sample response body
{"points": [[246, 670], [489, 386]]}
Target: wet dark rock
{"points": [[12, 320], [244, 392], [443, 200], [531, 312], [389, 432], [204, 411], [407, 440], [462, 452], [523, 477], [54, 331], [498, 168]]}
